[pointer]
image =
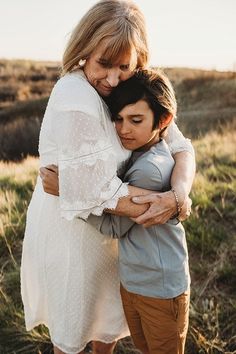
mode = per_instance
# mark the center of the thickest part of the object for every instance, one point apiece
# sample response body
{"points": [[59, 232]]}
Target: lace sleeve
{"points": [[176, 141], [87, 166]]}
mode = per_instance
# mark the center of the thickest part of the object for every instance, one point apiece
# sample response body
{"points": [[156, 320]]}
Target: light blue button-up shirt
{"points": [[153, 261]]}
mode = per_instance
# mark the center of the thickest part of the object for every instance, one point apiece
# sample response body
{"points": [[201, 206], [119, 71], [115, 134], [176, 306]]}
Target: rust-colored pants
{"points": [[157, 326]]}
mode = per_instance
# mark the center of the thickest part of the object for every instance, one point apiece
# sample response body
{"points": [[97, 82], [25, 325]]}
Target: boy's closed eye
{"points": [[132, 119]]}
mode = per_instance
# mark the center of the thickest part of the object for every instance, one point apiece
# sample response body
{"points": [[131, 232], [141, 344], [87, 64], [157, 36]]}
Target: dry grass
{"points": [[206, 102], [207, 111], [22, 80], [211, 238]]}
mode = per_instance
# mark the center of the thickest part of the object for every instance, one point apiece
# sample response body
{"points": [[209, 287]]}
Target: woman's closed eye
{"points": [[105, 64], [124, 67], [108, 65]]}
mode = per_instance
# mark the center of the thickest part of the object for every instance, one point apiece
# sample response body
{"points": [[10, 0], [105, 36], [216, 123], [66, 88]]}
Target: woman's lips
{"points": [[109, 89]]}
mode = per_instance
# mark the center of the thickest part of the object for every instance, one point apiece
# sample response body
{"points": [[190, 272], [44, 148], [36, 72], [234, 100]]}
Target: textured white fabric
{"points": [[87, 166], [69, 273], [176, 141]]}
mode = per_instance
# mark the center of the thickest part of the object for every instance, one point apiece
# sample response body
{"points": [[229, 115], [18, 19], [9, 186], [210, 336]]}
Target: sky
{"points": [[183, 33]]}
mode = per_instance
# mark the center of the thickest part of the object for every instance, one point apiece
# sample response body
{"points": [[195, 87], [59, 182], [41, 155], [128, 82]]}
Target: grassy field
{"points": [[211, 229], [212, 247]]}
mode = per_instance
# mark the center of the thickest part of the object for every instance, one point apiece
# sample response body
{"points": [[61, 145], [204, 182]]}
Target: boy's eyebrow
{"points": [[132, 115], [136, 115]]}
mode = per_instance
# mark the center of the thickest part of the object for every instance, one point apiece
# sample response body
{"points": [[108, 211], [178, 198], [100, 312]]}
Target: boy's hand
{"points": [[50, 181]]}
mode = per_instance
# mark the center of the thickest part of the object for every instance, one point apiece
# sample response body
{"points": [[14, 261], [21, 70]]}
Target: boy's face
{"points": [[134, 125]]}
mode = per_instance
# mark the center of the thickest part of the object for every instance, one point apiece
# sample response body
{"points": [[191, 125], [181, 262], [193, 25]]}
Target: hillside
{"points": [[206, 101]]}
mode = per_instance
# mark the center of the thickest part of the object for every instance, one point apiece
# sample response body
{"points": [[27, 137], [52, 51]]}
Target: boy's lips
{"points": [[126, 139]]}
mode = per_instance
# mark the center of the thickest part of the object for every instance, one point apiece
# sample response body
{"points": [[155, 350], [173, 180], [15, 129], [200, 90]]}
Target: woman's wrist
{"points": [[178, 207], [181, 192]]}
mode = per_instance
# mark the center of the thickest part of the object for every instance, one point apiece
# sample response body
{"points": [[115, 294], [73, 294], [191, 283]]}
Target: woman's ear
{"points": [[165, 120]]}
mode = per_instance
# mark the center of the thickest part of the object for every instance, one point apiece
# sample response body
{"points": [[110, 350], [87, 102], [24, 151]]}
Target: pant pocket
{"points": [[182, 312]]}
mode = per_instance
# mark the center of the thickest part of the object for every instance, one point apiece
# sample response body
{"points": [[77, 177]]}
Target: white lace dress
{"points": [[69, 273]]}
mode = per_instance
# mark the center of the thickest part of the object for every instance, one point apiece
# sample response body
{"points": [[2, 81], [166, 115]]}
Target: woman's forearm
{"points": [[183, 174], [126, 207], [181, 182]]}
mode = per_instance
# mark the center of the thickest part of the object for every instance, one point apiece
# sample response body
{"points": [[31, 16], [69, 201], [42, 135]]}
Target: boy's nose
{"points": [[124, 129]]}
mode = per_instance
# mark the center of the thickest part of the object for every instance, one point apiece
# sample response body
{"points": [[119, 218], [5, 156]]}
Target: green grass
{"points": [[211, 233], [207, 111], [16, 181], [212, 249]]}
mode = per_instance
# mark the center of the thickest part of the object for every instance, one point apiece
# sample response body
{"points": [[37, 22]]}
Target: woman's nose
{"points": [[113, 77]]}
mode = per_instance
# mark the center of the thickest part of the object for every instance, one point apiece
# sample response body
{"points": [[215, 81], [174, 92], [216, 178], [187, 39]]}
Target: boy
{"points": [[153, 261]]}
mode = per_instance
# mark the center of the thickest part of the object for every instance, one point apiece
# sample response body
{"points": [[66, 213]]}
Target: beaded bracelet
{"points": [[177, 204]]}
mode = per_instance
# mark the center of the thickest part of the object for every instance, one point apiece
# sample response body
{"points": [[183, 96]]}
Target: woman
{"points": [[69, 271]]}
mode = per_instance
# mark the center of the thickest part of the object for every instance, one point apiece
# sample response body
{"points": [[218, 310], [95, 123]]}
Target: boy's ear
{"points": [[165, 120]]}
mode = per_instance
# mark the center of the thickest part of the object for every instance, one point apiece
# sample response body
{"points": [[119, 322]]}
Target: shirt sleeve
{"points": [[176, 141], [112, 225], [87, 163]]}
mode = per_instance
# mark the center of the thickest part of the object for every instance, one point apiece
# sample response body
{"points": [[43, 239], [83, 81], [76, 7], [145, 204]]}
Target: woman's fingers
{"points": [[49, 176], [185, 210], [43, 171], [148, 198], [53, 168], [153, 217], [162, 208]]}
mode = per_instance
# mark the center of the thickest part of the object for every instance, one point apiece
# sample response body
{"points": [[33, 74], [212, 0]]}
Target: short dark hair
{"points": [[151, 85]]}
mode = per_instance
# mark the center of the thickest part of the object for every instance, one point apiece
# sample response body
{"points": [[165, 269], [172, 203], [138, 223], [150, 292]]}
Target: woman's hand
{"points": [[162, 208], [185, 210], [50, 181]]}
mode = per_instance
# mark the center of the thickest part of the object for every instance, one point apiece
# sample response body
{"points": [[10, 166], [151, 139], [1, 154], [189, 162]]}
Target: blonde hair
{"points": [[120, 22]]}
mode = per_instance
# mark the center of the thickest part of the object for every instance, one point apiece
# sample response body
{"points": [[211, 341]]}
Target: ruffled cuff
{"points": [[78, 210]]}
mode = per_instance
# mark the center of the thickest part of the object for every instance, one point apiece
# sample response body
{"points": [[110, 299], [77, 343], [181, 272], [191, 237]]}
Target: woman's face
{"points": [[134, 125], [103, 75]]}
